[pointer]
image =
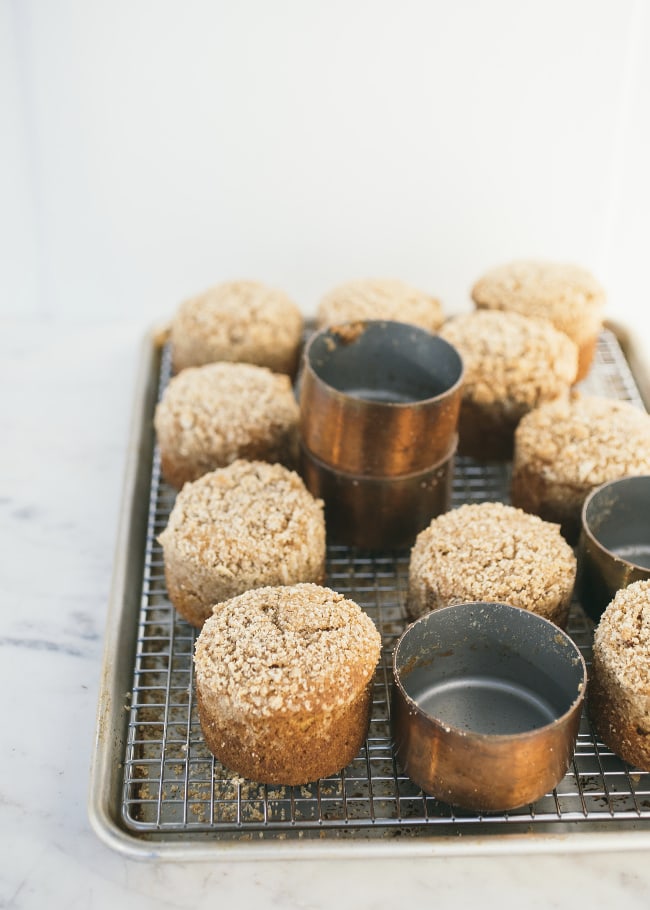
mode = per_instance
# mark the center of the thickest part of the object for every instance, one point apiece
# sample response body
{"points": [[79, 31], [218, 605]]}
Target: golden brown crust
{"points": [[619, 680], [567, 295], [211, 415], [492, 552], [564, 449], [238, 321], [559, 503], [290, 750], [244, 526], [379, 299], [586, 352], [283, 678], [512, 363]]}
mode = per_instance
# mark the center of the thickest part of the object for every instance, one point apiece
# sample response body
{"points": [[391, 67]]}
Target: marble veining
{"points": [[34, 644]]}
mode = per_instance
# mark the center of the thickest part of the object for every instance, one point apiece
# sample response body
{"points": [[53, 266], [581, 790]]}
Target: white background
{"points": [[151, 149]]}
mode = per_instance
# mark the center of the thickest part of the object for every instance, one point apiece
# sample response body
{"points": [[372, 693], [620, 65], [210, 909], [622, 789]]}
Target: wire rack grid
{"points": [[173, 786]]}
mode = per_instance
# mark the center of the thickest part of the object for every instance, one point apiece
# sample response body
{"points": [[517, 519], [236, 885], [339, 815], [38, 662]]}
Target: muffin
{"points": [[238, 321], [283, 682], [244, 526], [566, 448], [512, 363], [492, 552], [567, 295], [211, 415], [379, 299], [619, 680]]}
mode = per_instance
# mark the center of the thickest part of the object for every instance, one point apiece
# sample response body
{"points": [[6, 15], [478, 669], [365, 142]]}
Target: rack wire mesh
{"points": [[173, 786]]}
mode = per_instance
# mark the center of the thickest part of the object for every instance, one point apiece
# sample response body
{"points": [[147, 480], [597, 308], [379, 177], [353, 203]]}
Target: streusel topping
{"points": [[584, 440], [492, 552], [287, 649], [237, 321], [622, 637], [380, 299], [566, 294], [511, 358], [243, 519], [220, 408]]}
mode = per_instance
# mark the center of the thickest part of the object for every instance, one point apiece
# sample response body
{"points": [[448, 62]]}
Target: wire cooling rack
{"points": [[173, 786]]}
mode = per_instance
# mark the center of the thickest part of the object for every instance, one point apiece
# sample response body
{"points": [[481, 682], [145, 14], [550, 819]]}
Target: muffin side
{"points": [[283, 677], [618, 698]]}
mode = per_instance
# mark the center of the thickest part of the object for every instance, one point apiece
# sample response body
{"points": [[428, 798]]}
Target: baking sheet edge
{"points": [[115, 682]]}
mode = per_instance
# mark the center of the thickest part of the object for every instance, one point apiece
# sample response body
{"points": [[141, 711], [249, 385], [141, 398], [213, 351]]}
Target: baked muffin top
{"points": [[377, 298], [568, 295], [584, 440], [287, 649], [516, 360], [214, 412], [242, 519], [493, 552], [237, 321]]}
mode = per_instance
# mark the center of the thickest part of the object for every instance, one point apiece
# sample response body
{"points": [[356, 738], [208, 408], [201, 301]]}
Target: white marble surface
{"points": [[65, 406]]}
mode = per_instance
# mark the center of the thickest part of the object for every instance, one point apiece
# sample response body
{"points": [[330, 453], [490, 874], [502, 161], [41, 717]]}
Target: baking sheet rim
{"points": [[111, 720]]}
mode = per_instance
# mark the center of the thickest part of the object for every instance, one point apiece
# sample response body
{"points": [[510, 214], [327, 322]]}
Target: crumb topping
{"points": [[584, 440], [287, 649], [564, 293], [236, 320], [622, 637], [512, 358], [245, 518], [379, 299], [216, 410], [494, 552]]}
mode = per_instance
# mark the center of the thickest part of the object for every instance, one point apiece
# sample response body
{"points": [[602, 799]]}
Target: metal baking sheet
{"points": [[156, 790]]}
